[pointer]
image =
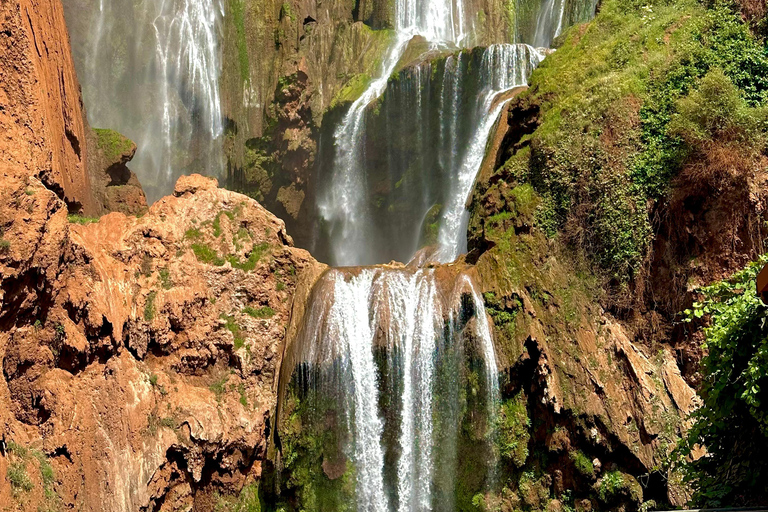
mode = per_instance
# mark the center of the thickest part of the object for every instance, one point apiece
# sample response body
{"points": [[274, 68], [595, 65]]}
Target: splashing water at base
{"points": [[419, 333]]}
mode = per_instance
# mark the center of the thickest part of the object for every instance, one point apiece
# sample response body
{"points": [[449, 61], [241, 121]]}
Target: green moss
{"points": [[80, 219], [513, 431], [206, 254], [263, 312], [5, 245], [582, 463], [149, 306], [237, 12], [112, 143], [352, 90]]}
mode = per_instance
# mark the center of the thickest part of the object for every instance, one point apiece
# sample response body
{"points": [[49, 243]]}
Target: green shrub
{"points": [[262, 312], [149, 306], [207, 255], [165, 278], [18, 478], [733, 420], [236, 331]]}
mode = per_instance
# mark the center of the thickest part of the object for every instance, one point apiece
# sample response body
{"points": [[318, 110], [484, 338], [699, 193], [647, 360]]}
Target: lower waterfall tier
{"points": [[390, 392]]}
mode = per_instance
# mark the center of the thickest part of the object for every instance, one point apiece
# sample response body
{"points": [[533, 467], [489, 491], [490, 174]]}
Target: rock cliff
{"points": [[139, 354], [42, 117]]}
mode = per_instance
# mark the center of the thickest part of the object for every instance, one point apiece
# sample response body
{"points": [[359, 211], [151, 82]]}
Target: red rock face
{"points": [[140, 355], [41, 120]]}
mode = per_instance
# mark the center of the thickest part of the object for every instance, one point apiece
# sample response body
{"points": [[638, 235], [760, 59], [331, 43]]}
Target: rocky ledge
{"points": [[140, 353]]}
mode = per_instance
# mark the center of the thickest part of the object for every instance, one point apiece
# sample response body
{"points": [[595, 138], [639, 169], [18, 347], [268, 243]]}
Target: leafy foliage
{"points": [[514, 430], [625, 103], [733, 422]]}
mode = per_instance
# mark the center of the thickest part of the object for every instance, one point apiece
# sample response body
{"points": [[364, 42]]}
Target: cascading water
{"points": [[392, 382], [150, 69], [382, 347], [363, 230]]}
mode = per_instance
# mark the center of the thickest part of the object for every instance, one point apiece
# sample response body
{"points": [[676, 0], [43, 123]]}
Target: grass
{"points": [[165, 279], [262, 312], [193, 234], [219, 386], [81, 219], [253, 258], [18, 477], [149, 306], [206, 254], [236, 331], [112, 143]]}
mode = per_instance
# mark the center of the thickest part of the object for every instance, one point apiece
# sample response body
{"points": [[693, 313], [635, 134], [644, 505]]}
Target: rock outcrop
{"points": [[139, 354]]}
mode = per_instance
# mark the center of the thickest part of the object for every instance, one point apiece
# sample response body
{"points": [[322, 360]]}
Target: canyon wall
{"points": [[42, 119]]}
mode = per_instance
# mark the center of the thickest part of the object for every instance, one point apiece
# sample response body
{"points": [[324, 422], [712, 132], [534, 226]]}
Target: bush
{"points": [[733, 420], [18, 478], [717, 109], [263, 312]]}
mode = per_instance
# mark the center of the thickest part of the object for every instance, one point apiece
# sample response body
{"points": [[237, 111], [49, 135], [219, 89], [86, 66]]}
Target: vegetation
{"points": [[235, 329], [247, 501], [733, 422], [206, 254], [513, 430], [80, 219], [262, 312], [582, 463], [627, 102], [219, 386], [112, 143], [149, 306], [237, 10]]}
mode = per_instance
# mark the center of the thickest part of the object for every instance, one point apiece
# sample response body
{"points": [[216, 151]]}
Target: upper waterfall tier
{"points": [[404, 166]]}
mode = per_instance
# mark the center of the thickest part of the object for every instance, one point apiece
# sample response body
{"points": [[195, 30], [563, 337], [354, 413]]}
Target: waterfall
{"points": [[150, 69], [427, 328], [504, 67], [343, 205]]}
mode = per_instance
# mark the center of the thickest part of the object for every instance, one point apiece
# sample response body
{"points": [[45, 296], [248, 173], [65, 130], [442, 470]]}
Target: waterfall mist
{"points": [[150, 70]]}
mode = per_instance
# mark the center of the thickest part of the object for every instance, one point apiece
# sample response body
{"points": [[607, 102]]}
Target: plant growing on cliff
{"points": [[735, 393], [149, 306], [262, 312], [112, 143], [513, 430]]}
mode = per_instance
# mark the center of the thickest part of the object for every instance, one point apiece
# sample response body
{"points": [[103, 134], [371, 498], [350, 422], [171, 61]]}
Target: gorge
{"points": [[523, 233]]}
